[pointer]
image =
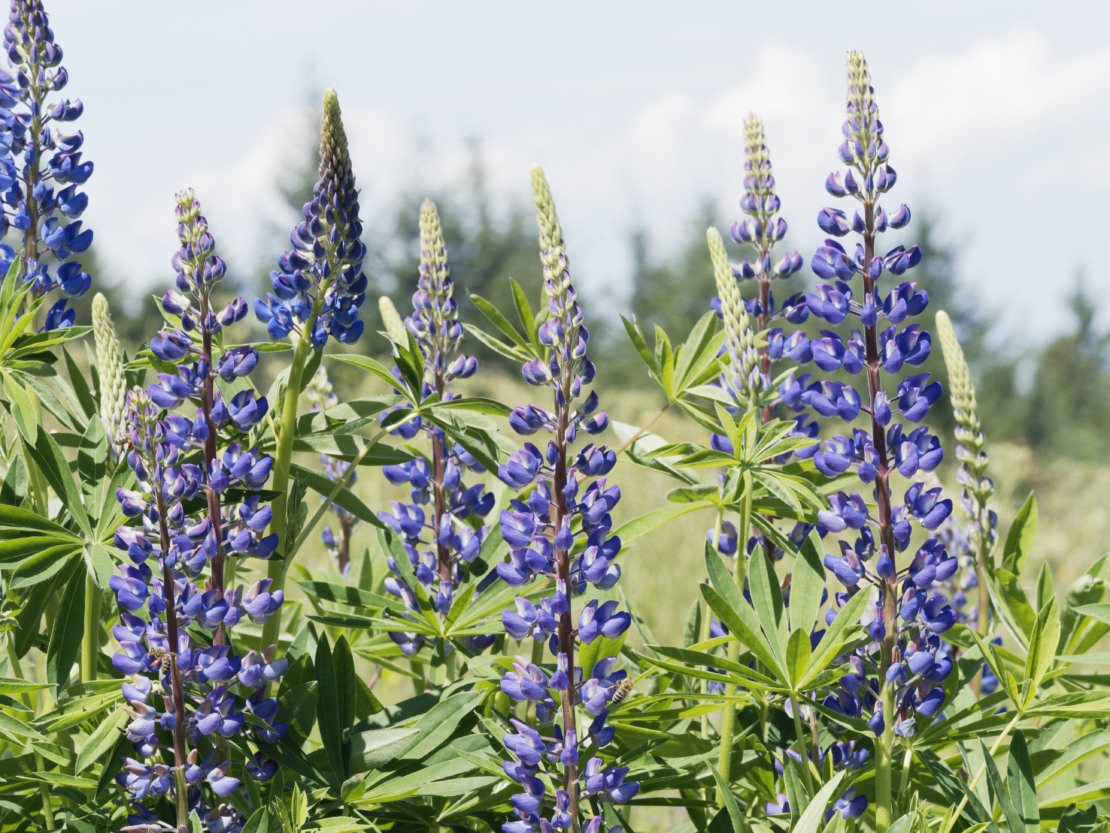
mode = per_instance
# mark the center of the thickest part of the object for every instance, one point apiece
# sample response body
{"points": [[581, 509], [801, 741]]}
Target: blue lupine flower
{"points": [[181, 545], [41, 168], [439, 541], [541, 537], [319, 285]]}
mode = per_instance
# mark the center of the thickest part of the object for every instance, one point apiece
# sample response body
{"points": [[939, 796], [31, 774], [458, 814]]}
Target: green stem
{"points": [[883, 754], [800, 731], [703, 636], [277, 567], [90, 642], [275, 570], [728, 721], [44, 789], [904, 781]]}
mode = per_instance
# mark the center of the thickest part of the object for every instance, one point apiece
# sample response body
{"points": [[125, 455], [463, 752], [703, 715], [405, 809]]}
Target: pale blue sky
{"points": [[997, 113]]}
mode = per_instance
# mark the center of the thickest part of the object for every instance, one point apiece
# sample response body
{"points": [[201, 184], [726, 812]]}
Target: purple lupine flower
{"points": [[319, 285], [41, 168], [173, 547], [541, 538], [913, 661], [440, 551]]}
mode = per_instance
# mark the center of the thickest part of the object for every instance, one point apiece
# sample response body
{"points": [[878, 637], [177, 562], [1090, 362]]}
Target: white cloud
{"points": [[984, 132]]}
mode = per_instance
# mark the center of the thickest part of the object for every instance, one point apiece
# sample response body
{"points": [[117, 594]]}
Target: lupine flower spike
{"points": [[113, 385], [438, 541], [908, 615], [41, 168], [981, 533], [159, 606], [762, 230], [318, 290], [541, 532]]}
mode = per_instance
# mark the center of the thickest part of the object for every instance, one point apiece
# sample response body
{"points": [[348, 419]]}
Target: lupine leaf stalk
{"points": [[318, 288], [321, 396], [911, 657], [42, 168], [972, 473], [541, 532]]}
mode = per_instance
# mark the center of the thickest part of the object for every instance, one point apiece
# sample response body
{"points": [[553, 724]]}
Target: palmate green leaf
{"points": [[22, 410], [373, 749], [327, 710], [525, 314], [797, 656], [49, 458], [955, 790], [724, 598], [80, 388], [14, 726], [1012, 603], [375, 368], [103, 739], [515, 354], [725, 791], [700, 347], [1074, 820], [807, 583], [298, 708], [347, 447], [636, 336], [344, 664], [637, 527], [1079, 750], [1019, 540], [837, 635], [698, 674], [344, 498], [998, 794], [767, 601], [66, 633], [1022, 788], [811, 818], [494, 316], [693, 656], [347, 417], [1042, 643], [43, 565], [348, 594], [440, 722], [1095, 791]]}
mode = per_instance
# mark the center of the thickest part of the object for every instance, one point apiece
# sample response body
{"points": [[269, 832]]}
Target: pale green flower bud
{"points": [[113, 384], [551, 234], [740, 339], [392, 320]]}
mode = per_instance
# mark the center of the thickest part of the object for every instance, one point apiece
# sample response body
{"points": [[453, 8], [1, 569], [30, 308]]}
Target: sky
{"points": [[997, 115]]}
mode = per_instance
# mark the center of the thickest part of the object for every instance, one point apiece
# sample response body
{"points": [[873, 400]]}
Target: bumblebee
{"points": [[164, 658], [623, 689]]}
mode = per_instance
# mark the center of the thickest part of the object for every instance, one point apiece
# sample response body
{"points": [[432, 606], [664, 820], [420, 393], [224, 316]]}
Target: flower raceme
{"points": [[41, 167], [433, 525], [319, 286], [909, 614], [180, 462], [559, 528]]}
